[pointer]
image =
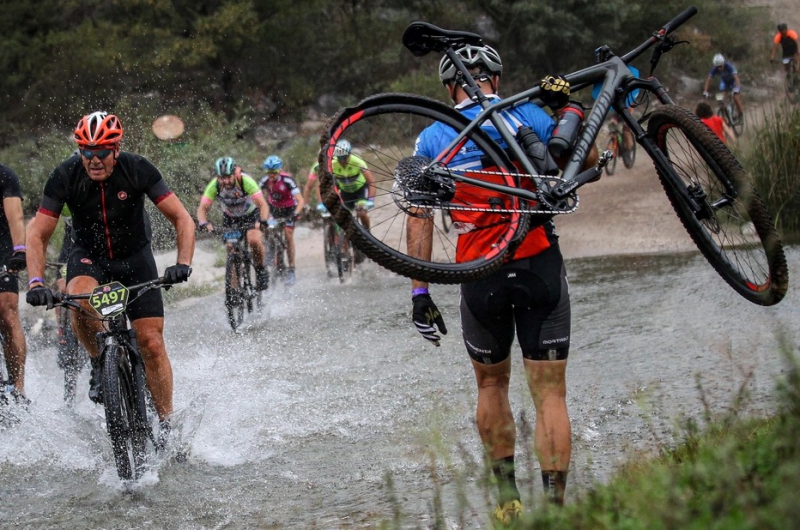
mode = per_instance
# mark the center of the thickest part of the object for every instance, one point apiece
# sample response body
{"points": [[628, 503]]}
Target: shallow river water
{"points": [[328, 411]]}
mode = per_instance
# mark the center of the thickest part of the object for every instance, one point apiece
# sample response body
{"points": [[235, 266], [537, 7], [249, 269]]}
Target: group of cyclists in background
{"points": [[728, 121], [276, 201]]}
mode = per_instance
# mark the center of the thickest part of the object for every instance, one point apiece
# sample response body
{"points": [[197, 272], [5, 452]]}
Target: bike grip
{"points": [[673, 24]]}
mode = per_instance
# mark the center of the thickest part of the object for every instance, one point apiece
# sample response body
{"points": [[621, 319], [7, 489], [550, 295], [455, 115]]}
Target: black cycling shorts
{"points": [[285, 214], [244, 223], [9, 284], [138, 268], [531, 294], [350, 200]]}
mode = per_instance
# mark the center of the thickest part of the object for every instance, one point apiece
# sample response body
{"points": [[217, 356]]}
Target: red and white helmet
{"points": [[98, 128]]}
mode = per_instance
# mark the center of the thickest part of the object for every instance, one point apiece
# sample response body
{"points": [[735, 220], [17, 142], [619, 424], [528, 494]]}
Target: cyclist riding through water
{"points": [[354, 180], [529, 293], [243, 208], [104, 188], [729, 80], [285, 202], [786, 40], [12, 251]]}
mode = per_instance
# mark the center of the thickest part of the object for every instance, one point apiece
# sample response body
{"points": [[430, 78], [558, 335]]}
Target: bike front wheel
{"points": [[383, 131], [726, 218], [234, 292], [628, 155], [126, 411], [611, 167]]}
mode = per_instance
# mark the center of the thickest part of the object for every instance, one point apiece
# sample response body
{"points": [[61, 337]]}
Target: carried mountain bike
{"points": [[728, 111], [124, 385], [276, 249], [240, 291], [616, 146], [72, 358], [707, 187]]}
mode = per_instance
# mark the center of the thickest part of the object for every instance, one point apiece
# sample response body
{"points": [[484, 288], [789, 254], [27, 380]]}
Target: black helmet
{"points": [[781, 27]]}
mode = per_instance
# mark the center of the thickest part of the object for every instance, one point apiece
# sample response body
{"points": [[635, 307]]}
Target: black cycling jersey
{"points": [[9, 187], [108, 217]]}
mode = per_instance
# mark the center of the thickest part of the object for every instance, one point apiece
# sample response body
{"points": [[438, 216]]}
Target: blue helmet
{"points": [[224, 166], [272, 163]]}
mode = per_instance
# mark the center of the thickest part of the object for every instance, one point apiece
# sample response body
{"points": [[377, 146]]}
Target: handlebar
{"points": [[668, 28], [60, 299]]}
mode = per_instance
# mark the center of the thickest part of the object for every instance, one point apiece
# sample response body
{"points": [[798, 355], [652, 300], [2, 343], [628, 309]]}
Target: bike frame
{"points": [[618, 81]]}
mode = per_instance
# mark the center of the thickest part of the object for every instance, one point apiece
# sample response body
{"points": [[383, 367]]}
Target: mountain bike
{"points": [[792, 81], [72, 358], [276, 249], [616, 145], [709, 190], [240, 292], [729, 112], [338, 252], [126, 397]]}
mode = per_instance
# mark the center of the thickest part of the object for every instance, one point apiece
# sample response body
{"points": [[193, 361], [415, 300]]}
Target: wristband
{"points": [[203, 224], [35, 280], [418, 291], [19, 247]]}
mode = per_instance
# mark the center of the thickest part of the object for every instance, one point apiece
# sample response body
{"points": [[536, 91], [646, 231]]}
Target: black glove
{"points": [[555, 91], [177, 273], [16, 262], [39, 296], [425, 316]]}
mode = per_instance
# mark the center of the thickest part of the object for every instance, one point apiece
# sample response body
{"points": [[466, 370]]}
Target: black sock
{"points": [[503, 470], [555, 482]]}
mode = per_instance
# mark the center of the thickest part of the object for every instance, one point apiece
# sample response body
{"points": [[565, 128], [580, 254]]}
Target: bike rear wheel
{"points": [[126, 412], [611, 145], [733, 229], [234, 292], [383, 130]]}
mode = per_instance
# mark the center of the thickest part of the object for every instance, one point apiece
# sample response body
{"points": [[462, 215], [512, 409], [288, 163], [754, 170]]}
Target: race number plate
{"points": [[110, 299]]}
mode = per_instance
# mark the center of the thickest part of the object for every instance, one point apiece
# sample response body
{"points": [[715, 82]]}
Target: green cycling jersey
{"points": [[350, 176]]}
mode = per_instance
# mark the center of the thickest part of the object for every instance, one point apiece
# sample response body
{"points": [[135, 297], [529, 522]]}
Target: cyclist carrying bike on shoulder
{"points": [[243, 208], [786, 39], [354, 180], [285, 203], [729, 80], [105, 189]]}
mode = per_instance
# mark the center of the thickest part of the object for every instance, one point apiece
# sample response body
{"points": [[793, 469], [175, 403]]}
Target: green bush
{"points": [[773, 158]]}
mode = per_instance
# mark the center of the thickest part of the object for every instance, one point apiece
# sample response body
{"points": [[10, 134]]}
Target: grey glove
{"points": [[427, 318]]}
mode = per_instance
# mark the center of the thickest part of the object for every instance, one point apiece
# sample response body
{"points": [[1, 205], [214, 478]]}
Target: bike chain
{"points": [[570, 203]]}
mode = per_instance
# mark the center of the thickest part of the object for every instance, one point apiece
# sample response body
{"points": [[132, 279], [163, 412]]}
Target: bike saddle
{"points": [[421, 38]]}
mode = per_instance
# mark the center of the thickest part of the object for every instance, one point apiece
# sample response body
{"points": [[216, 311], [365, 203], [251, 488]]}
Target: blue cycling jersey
{"points": [[727, 73], [433, 139]]}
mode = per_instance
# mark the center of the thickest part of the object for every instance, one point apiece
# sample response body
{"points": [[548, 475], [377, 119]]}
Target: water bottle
{"points": [[566, 131], [537, 153]]}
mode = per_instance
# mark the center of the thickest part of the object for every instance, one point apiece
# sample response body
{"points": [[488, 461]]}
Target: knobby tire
{"points": [[382, 130], [126, 412], [736, 235], [612, 146], [234, 292]]}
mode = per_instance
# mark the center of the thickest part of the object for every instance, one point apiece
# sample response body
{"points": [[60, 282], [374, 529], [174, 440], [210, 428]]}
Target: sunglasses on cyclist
{"points": [[99, 153]]}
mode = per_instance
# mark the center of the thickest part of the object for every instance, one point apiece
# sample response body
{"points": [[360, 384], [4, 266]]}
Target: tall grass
{"points": [[773, 158]]}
